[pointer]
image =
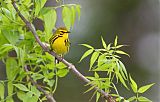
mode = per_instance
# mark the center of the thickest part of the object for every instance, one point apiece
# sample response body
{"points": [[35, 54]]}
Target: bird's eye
{"points": [[64, 31]]}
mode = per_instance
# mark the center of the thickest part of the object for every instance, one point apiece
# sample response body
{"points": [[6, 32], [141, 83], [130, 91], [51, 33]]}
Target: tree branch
{"points": [[108, 97], [49, 97]]}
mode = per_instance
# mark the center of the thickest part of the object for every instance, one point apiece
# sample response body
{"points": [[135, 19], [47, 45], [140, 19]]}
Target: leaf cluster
{"points": [[108, 61], [18, 49]]}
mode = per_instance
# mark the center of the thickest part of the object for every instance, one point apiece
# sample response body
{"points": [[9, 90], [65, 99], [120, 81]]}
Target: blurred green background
{"points": [[136, 22]]}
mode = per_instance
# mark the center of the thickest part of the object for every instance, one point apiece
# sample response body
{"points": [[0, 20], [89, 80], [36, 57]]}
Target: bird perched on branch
{"points": [[59, 42]]}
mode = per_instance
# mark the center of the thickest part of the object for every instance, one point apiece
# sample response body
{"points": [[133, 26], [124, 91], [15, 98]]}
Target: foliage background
{"points": [[136, 22]]}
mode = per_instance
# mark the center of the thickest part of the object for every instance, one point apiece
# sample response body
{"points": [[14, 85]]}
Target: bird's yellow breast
{"points": [[59, 46]]}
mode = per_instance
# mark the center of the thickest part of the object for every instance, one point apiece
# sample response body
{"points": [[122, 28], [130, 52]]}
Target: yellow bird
{"points": [[59, 41]]}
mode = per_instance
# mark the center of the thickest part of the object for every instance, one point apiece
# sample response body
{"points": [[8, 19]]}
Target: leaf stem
{"points": [[56, 82]]}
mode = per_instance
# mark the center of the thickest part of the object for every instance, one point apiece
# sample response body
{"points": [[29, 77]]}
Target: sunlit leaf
{"points": [[132, 98], [33, 99], [60, 65], [88, 46], [5, 48], [51, 83], [115, 41], [11, 68], [21, 95], [37, 76], [62, 72], [121, 52], [145, 88], [101, 60], [133, 85], [96, 75], [103, 43], [109, 47], [122, 80], [123, 75], [10, 90], [97, 96], [123, 68], [11, 35], [38, 5], [93, 58], [143, 99], [35, 91], [91, 88], [50, 19], [73, 14], [88, 52], [67, 17], [21, 87], [119, 46], [91, 82]]}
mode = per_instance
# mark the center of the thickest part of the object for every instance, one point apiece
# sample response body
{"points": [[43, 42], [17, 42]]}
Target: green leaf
{"points": [[104, 67], [132, 98], [88, 46], [97, 96], [3, 39], [96, 75], [109, 47], [121, 52], [11, 35], [10, 90], [11, 68], [51, 83], [38, 5], [93, 58], [143, 99], [33, 99], [78, 9], [115, 41], [122, 80], [91, 88], [21, 95], [126, 101], [145, 88], [62, 72], [9, 99], [101, 60], [103, 43], [27, 97], [2, 90], [21, 87], [5, 48], [50, 20], [133, 85], [73, 14], [123, 68], [88, 52], [67, 16], [37, 76], [123, 75], [61, 66], [119, 46], [35, 91], [90, 78]]}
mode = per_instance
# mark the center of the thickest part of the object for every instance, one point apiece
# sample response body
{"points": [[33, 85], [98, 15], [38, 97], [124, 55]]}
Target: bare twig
{"points": [[49, 97], [69, 65]]}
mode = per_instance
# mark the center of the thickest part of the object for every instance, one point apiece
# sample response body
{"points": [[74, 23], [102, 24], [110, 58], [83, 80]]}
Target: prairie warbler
{"points": [[59, 42]]}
